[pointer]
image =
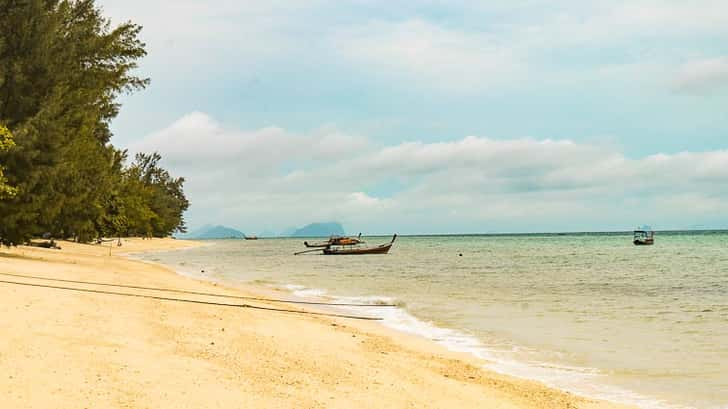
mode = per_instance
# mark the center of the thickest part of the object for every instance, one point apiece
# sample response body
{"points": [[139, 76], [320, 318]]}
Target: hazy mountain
{"points": [[319, 230], [213, 232]]}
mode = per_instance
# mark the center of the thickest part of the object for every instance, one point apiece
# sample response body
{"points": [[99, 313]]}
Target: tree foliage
{"points": [[6, 143], [62, 68], [146, 200]]}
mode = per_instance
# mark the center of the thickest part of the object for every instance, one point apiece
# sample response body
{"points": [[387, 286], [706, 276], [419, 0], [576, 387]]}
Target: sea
{"points": [[589, 313]]}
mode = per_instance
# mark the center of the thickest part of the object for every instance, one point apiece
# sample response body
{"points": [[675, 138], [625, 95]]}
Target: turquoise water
{"points": [[592, 314]]}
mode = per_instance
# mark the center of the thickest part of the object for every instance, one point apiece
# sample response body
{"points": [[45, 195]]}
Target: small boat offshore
{"points": [[345, 250], [644, 236], [342, 248]]}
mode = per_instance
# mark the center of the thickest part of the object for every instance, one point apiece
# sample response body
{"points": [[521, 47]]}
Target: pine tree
{"points": [[62, 67], [6, 143], [165, 195]]}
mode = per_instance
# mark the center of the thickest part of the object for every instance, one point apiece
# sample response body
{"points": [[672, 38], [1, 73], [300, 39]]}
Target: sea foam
{"points": [[586, 382]]}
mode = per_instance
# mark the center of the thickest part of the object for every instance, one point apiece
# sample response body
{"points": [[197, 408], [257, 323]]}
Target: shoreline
{"points": [[460, 342], [271, 359], [399, 322]]}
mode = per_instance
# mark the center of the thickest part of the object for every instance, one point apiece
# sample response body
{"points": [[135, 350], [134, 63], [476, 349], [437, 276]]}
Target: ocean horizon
{"points": [[501, 234]]}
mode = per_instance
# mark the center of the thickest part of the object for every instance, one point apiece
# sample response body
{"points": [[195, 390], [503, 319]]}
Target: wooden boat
{"points": [[643, 237], [335, 241], [341, 251], [251, 237]]}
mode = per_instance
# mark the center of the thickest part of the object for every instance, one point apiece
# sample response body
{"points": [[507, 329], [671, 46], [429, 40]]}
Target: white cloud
{"points": [[483, 45], [189, 39], [429, 54], [614, 22], [702, 76], [197, 135], [271, 179]]}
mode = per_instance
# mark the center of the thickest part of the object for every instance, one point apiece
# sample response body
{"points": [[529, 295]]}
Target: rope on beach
{"points": [[255, 307], [239, 297]]}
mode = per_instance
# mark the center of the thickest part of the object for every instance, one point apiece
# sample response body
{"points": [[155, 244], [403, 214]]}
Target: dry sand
{"points": [[64, 349]]}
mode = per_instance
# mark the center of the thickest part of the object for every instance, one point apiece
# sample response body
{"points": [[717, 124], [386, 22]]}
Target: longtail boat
{"points": [[348, 249], [335, 241], [341, 251]]}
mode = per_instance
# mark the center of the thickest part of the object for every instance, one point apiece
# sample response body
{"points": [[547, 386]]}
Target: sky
{"points": [[436, 116]]}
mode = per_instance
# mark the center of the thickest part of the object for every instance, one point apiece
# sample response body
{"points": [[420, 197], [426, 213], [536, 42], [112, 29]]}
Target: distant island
{"points": [[217, 232], [319, 230], [210, 232]]}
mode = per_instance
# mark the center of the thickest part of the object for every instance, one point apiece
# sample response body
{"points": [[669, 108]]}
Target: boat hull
{"points": [[384, 249]]}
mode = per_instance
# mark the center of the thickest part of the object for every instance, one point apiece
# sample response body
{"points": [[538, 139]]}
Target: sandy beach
{"points": [[67, 349]]}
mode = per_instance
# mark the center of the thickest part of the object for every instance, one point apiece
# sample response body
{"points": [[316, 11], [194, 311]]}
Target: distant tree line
{"points": [[62, 68]]}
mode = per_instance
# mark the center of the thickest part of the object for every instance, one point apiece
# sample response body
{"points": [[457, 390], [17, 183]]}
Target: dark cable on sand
{"points": [[239, 297], [255, 307]]}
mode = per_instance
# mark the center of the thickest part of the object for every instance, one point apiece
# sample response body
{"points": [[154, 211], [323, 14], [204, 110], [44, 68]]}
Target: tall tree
{"points": [[145, 199], [166, 197], [127, 212], [62, 66]]}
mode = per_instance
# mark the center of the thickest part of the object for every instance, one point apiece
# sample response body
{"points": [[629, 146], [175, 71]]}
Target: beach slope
{"points": [[69, 349]]}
